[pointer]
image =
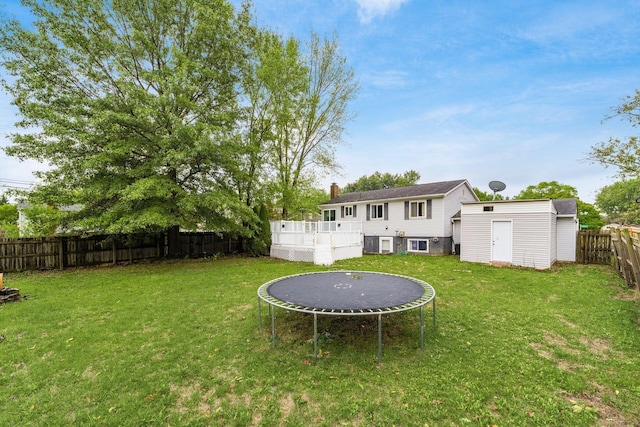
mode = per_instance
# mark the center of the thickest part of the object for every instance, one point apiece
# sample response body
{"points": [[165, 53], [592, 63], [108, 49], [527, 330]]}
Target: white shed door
{"points": [[501, 241]]}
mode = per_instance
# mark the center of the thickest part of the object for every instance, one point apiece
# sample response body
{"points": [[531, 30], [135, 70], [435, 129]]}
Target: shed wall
{"points": [[533, 242], [567, 235]]}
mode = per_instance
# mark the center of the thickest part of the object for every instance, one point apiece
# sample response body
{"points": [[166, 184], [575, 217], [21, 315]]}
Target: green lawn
{"points": [[177, 343]]}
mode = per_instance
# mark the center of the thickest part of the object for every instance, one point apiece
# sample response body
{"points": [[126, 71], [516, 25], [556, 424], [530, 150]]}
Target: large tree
{"points": [[378, 181], [618, 201], [588, 215], [311, 97], [548, 190], [132, 104], [623, 154]]}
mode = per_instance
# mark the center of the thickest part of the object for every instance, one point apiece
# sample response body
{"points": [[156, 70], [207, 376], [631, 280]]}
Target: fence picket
{"points": [[594, 247], [74, 251]]}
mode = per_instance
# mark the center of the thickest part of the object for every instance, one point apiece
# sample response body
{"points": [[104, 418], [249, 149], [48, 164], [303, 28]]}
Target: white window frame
{"points": [[386, 239], [348, 211], [419, 206], [417, 244], [326, 215], [374, 211]]}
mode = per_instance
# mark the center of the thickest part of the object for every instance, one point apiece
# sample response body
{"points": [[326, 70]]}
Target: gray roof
{"points": [[432, 189], [566, 206]]}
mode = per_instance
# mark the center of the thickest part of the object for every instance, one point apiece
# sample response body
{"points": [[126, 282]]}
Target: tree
{"points": [[378, 181], [260, 242], [588, 215], [309, 115], [486, 196], [41, 221], [618, 201], [8, 219], [623, 154], [548, 190], [273, 78], [132, 104]]}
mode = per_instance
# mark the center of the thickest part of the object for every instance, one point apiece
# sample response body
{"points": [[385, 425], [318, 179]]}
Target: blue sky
{"points": [[484, 90]]}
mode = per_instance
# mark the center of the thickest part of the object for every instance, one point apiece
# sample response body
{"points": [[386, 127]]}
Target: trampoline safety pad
{"points": [[347, 293]]}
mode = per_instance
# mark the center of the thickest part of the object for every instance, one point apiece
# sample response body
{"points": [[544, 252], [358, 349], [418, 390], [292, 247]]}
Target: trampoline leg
{"points": [[315, 337], [434, 313], [259, 314], [273, 325], [379, 338], [421, 327]]}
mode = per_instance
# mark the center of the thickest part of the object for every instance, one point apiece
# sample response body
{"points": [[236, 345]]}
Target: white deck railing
{"points": [[308, 234]]}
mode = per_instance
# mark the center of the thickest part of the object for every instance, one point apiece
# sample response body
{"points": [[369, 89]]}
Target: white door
{"points": [[501, 241], [386, 245]]}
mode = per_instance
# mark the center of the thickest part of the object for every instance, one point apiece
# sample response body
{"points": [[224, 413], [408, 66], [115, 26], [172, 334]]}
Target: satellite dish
{"points": [[496, 186]]}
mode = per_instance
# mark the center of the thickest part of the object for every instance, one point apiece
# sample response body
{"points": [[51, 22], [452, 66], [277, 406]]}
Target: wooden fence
{"points": [[626, 247], [594, 247], [74, 251]]}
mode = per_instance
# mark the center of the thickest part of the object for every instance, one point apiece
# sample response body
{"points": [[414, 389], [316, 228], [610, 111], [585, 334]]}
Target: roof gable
{"points": [[432, 189]]}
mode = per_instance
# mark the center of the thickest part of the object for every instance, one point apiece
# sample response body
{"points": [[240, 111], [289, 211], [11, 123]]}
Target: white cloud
{"points": [[390, 79], [369, 9]]}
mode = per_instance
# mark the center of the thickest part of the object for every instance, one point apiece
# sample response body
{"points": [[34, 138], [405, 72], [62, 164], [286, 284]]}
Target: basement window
{"points": [[418, 245]]}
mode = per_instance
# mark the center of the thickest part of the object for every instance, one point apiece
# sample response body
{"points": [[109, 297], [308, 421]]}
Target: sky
{"points": [[515, 91]]}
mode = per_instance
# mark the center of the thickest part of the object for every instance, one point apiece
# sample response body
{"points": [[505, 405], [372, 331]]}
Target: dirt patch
{"points": [[560, 343], [598, 346], [565, 321], [90, 374], [538, 347], [287, 405], [596, 402], [628, 296], [186, 394]]}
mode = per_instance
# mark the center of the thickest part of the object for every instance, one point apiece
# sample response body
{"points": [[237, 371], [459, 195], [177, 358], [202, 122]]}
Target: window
{"points": [[377, 211], [348, 211], [418, 245], [487, 208], [417, 210], [329, 214]]}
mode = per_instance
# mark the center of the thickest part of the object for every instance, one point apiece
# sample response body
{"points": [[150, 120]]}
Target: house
{"points": [[415, 218], [530, 233]]}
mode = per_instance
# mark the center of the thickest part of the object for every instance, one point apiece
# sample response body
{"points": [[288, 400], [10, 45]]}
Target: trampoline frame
{"points": [[429, 296]]}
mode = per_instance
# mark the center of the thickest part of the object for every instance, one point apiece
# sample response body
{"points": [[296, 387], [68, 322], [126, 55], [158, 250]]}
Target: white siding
{"points": [[442, 209], [510, 207], [567, 229], [533, 231], [453, 203], [532, 240], [475, 238]]}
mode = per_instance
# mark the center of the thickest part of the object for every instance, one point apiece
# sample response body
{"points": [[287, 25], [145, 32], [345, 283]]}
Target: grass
{"points": [[177, 343]]}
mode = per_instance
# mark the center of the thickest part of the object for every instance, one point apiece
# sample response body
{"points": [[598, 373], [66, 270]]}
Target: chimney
{"points": [[334, 191]]}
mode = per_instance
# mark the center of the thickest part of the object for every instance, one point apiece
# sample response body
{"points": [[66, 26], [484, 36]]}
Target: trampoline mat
{"points": [[346, 290]]}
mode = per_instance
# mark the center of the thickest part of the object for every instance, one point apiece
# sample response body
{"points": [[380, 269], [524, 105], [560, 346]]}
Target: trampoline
{"points": [[346, 293]]}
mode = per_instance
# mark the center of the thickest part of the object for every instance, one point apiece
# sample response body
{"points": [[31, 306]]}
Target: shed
{"points": [[529, 233]]}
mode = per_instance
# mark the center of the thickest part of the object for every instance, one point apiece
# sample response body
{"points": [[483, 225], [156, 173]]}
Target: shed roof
{"points": [[566, 206], [432, 189]]}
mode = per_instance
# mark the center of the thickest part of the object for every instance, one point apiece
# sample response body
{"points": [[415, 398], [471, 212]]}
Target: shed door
{"points": [[501, 241]]}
